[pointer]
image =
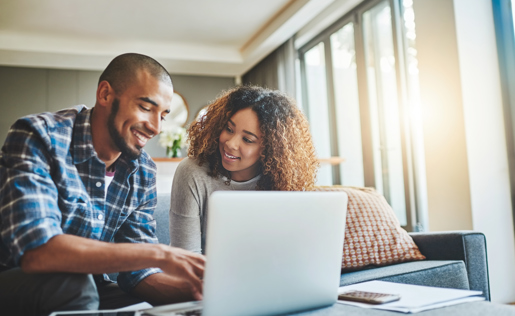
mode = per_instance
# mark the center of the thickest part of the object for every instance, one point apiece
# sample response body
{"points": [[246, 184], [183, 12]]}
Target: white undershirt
{"points": [[109, 179]]}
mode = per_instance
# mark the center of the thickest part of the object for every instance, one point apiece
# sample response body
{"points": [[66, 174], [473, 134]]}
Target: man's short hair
{"points": [[121, 71]]}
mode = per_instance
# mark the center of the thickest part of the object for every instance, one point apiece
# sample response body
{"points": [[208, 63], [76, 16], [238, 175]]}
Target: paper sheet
{"points": [[414, 298]]}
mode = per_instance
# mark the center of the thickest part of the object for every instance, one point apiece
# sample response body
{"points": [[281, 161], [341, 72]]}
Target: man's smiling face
{"points": [[137, 113]]}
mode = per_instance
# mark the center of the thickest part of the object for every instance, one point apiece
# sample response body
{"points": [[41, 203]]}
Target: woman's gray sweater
{"points": [[188, 208]]}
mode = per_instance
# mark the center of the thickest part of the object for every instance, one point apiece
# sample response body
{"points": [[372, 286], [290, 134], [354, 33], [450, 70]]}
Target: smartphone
{"points": [[369, 297]]}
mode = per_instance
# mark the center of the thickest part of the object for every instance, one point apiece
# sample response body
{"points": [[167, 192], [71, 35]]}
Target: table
{"points": [[481, 308]]}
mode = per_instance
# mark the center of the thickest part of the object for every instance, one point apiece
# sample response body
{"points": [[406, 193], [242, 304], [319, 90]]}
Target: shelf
{"points": [[163, 159], [330, 160]]}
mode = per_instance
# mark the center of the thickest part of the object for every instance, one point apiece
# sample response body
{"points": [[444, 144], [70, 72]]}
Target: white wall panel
{"points": [[486, 142]]}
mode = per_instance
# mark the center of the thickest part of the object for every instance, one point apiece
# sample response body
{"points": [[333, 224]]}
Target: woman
{"points": [[250, 138]]}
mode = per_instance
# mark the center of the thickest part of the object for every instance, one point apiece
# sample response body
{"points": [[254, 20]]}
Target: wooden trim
{"points": [[331, 160], [164, 159]]}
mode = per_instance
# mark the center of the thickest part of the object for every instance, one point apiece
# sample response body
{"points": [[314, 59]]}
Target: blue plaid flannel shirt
{"points": [[52, 182]]}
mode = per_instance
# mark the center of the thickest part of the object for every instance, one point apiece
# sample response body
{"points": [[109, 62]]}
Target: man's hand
{"points": [[181, 280], [187, 265]]}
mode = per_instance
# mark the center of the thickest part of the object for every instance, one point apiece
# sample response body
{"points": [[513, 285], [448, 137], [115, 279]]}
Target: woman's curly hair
{"points": [[288, 160]]}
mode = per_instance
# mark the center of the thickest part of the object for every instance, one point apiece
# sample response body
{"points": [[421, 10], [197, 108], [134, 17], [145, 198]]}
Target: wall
{"points": [[466, 159], [198, 92], [26, 91], [486, 141]]}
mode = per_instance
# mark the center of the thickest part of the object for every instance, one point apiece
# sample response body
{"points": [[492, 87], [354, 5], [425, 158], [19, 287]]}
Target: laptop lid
{"points": [[273, 252]]}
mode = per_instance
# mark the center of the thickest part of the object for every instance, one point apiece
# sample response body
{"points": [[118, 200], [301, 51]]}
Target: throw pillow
{"points": [[373, 235]]}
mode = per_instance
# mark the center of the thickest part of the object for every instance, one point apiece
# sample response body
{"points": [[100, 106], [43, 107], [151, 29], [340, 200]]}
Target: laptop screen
{"points": [[273, 252]]}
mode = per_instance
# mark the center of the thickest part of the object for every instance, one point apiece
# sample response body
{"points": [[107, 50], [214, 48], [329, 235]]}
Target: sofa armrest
{"points": [[468, 246]]}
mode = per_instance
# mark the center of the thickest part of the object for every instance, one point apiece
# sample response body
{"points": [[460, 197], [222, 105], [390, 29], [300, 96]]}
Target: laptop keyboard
{"points": [[191, 312], [195, 311]]}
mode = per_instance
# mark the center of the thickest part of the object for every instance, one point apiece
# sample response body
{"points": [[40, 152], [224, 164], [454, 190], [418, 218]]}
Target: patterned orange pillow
{"points": [[373, 235]]}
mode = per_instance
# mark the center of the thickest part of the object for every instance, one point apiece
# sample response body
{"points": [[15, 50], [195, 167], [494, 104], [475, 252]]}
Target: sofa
{"points": [[456, 259]]}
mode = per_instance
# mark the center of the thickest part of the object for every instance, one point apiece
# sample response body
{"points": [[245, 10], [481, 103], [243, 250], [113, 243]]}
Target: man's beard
{"points": [[117, 138]]}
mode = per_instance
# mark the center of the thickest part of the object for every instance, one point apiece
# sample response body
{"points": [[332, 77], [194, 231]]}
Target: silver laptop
{"points": [[270, 253]]}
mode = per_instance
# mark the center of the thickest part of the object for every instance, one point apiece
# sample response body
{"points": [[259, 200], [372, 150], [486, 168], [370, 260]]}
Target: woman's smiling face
{"points": [[241, 145]]}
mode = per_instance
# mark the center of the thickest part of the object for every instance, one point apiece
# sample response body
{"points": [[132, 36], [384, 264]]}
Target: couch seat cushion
{"points": [[440, 273]]}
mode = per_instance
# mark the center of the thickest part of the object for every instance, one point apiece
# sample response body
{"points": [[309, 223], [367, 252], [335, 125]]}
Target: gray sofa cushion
{"points": [[448, 274], [161, 215]]}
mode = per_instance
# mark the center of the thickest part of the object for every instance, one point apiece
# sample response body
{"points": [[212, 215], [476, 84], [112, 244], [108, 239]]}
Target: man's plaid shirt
{"points": [[52, 182]]}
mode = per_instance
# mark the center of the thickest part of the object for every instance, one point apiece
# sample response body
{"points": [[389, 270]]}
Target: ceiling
{"points": [[199, 37]]}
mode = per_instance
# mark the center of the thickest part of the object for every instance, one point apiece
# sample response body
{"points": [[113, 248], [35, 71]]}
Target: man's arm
{"points": [[182, 269]]}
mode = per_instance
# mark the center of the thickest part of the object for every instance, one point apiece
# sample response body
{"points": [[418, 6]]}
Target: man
{"points": [[77, 195]]}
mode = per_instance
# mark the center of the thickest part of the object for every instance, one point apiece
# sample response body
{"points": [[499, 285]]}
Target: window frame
{"points": [[355, 16]]}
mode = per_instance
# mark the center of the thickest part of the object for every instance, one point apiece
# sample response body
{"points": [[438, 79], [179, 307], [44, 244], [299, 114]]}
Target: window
{"points": [[348, 126], [317, 107], [360, 93]]}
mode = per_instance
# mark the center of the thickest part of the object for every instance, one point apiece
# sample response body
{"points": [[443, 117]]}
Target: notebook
{"points": [[269, 253]]}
